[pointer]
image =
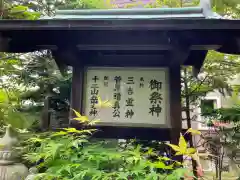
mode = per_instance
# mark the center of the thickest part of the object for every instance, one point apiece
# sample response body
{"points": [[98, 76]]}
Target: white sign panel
{"points": [[139, 95]]}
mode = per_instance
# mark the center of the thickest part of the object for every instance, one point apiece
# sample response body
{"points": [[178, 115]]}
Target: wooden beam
{"points": [[198, 61], [68, 55], [58, 56], [134, 47], [230, 46], [4, 44], [178, 56], [76, 93], [123, 47], [175, 105], [122, 60], [180, 52], [175, 97], [119, 24], [47, 46]]}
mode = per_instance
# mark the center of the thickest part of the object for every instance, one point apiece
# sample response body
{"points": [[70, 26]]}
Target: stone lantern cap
{"points": [[7, 142]]}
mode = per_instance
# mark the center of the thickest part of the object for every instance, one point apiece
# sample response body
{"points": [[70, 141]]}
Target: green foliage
{"points": [[227, 114], [9, 110], [182, 148], [231, 114], [35, 75], [71, 157], [172, 3], [226, 123], [40, 71], [30, 77], [74, 154], [227, 7], [215, 75], [11, 11]]}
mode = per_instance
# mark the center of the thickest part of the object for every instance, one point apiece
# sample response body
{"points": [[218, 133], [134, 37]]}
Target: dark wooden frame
{"points": [[133, 132]]}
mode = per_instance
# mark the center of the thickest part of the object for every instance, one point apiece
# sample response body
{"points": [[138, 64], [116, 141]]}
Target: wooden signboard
{"points": [[146, 102], [140, 96]]}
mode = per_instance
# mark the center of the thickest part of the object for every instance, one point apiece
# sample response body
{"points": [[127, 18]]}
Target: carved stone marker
{"points": [[9, 169]]}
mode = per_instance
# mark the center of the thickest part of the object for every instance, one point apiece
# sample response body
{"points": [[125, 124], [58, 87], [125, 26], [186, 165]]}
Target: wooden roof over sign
{"points": [[123, 31]]}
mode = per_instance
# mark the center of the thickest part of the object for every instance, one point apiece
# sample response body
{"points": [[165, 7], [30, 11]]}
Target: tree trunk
{"points": [[188, 117], [45, 115], [221, 163], [216, 167]]}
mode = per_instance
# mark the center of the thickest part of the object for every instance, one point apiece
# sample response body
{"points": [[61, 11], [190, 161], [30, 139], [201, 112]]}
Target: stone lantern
{"points": [[9, 168]]}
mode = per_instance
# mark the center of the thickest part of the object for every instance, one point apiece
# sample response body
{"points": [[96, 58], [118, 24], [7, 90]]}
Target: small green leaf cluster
{"points": [[19, 12], [9, 110]]}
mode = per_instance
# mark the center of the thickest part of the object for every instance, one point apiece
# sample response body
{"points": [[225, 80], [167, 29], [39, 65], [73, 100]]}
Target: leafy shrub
{"points": [[74, 155]]}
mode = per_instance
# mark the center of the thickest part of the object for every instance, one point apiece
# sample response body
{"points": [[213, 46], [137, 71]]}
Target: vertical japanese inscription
{"points": [[138, 97], [155, 97], [117, 96], [130, 101], [105, 81], [141, 84], [94, 91]]}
